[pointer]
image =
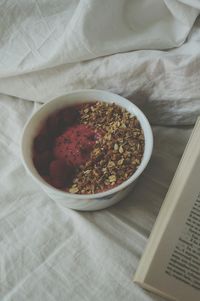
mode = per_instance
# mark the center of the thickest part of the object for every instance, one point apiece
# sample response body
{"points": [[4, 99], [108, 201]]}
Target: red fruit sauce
{"points": [[62, 145], [75, 144]]}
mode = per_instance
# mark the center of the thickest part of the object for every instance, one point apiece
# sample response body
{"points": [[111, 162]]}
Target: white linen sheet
{"points": [[51, 253], [41, 34], [165, 84]]}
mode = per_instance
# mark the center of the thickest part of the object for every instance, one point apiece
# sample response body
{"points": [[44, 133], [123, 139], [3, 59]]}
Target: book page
{"points": [[175, 268], [184, 263]]}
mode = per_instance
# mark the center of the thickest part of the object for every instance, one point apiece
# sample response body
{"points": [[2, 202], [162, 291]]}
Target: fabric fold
{"points": [[37, 35]]}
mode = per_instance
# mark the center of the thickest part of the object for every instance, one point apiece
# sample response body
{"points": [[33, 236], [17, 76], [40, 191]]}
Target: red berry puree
{"points": [[61, 146], [75, 144]]}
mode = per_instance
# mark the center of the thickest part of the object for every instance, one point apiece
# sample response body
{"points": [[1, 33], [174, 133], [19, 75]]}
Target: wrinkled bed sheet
{"points": [[51, 253]]}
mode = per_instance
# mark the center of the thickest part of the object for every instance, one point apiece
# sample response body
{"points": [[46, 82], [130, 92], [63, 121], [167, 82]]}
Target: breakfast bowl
{"points": [[97, 199]]}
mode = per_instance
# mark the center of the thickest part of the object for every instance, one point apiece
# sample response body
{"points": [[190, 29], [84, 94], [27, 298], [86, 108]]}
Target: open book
{"points": [[170, 265]]}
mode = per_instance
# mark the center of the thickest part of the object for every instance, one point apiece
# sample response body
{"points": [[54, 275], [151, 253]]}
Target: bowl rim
{"points": [[108, 192]]}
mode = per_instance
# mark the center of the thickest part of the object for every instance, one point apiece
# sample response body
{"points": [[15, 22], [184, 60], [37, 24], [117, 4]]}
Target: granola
{"points": [[116, 154]]}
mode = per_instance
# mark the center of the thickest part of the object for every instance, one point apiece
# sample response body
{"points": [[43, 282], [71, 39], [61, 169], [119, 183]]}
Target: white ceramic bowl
{"points": [[90, 201]]}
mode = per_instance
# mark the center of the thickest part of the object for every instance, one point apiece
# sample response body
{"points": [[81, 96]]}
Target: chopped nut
{"points": [[117, 153], [109, 137], [112, 178], [121, 150], [87, 171], [116, 147], [96, 152], [73, 189], [95, 173], [111, 164], [120, 162]]}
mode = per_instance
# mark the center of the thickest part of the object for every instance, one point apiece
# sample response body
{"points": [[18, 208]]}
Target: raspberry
{"points": [[42, 143], [54, 125], [60, 173], [75, 144], [69, 116], [42, 161]]}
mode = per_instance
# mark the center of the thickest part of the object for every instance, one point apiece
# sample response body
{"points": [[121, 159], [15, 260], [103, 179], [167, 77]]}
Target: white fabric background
{"points": [[41, 34], [50, 253], [155, 80]]}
